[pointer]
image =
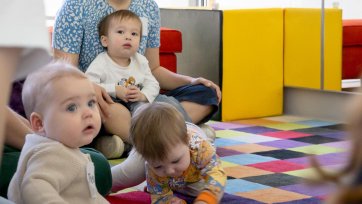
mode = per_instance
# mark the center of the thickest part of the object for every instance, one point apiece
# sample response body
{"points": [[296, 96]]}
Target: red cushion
{"points": [[168, 60], [352, 62], [135, 197], [352, 32], [171, 40], [352, 49]]}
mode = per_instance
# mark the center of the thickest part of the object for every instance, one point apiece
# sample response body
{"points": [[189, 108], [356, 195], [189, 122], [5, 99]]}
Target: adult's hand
{"points": [[208, 83], [103, 100]]}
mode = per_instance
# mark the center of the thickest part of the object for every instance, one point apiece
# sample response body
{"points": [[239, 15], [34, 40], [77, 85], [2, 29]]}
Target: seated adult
{"points": [[76, 38]]}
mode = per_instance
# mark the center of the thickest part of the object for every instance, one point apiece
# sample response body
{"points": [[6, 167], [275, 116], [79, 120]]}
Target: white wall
{"points": [[52, 6], [173, 3], [351, 8]]}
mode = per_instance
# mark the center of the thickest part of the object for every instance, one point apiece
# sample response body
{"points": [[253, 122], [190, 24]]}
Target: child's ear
{"points": [[104, 41], [36, 122]]}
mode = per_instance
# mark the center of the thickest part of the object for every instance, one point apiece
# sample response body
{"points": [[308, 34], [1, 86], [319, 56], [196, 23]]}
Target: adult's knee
{"points": [[119, 122], [205, 92], [119, 110]]}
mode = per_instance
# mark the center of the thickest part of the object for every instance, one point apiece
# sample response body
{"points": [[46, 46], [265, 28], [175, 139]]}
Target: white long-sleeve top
{"points": [[104, 71], [49, 172]]}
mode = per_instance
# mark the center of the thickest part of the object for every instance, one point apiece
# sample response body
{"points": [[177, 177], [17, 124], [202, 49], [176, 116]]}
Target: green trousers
{"points": [[102, 169]]}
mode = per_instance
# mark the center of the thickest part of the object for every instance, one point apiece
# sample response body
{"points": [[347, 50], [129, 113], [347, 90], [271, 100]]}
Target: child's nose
{"points": [[170, 171], [128, 36], [88, 112]]}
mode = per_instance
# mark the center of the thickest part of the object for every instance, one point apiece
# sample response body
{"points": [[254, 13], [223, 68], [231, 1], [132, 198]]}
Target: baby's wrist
{"points": [[120, 91]]}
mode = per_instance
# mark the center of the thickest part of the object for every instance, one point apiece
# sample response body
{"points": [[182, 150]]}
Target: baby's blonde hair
{"points": [[35, 91], [156, 128]]}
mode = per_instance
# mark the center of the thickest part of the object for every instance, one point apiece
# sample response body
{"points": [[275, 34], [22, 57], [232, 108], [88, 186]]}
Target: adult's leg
{"points": [[119, 122], [175, 103], [102, 171], [8, 62], [133, 106], [200, 102], [130, 172], [16, 129], [196, 112]]}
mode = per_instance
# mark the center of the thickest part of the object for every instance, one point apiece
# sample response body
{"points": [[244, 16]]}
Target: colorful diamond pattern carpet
{"points": [[267, 160]]}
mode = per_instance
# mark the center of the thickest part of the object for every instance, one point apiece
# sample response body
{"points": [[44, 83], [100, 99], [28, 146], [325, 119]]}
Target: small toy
{"points": [[127, 82]]}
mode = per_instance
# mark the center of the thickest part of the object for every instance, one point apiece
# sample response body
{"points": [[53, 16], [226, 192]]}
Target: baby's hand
{"points": [[134, 94], [121, 93], [176, 200]]}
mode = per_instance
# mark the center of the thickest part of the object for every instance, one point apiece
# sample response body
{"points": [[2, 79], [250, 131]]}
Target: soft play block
{"points": [[171, 40], [302, 48], [352, 49], [169, 60], [171, 43], [252, 73], [352, 32], [352, 62]]}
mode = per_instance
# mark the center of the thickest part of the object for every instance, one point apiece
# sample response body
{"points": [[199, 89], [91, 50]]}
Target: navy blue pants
{"points": [[199, 94]]}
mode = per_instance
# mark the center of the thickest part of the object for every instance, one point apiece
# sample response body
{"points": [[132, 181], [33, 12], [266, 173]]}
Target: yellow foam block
{"points": [[302, 48], [252, 73]]}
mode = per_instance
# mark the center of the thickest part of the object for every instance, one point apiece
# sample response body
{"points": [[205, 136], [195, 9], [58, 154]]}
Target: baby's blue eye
{"points": [[72, 107], [92, 103], [135, 34], [120, 32]]}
